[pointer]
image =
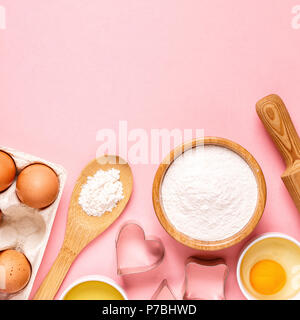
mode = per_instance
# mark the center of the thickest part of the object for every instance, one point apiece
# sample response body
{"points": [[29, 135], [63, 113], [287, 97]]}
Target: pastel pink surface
{"points": [[69, 68]]}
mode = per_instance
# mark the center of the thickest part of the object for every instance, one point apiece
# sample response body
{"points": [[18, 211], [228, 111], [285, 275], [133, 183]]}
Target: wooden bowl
{"points": [[199, 244]]}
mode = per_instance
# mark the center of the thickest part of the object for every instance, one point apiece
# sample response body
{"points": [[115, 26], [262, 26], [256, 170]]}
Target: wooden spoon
{"points": [[81, 228]]}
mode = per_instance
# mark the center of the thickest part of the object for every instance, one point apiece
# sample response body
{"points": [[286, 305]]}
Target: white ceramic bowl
{"points": [[94, 278], [248, 246]]}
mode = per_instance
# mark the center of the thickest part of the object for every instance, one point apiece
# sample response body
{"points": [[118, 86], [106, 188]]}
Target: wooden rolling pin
{"points": [[276, 119]]}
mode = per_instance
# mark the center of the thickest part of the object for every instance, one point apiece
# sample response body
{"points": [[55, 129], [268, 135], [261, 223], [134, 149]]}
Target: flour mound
{"points": [[101, 193], [209, 193]]}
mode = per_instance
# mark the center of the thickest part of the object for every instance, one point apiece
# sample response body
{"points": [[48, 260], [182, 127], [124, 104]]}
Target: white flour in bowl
{"points": [[209, 193]]}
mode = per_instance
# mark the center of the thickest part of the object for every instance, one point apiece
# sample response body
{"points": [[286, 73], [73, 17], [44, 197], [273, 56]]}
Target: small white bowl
{"points": [[94, 278], [244, 251]]}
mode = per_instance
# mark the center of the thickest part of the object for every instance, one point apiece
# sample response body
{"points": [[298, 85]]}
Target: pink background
{"points": [[70, 67]]}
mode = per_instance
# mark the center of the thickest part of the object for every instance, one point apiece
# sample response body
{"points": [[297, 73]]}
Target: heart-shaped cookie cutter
{"points": [[137, 253]]}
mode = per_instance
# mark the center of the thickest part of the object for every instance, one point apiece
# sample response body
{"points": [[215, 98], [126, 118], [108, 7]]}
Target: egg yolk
{"points": [[267, 277]]}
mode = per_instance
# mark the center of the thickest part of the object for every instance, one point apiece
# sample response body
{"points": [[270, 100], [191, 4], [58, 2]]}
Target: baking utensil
{"points": [[81, 228], [205, 279], [163, 292], [195, 243], [132, 239], [277, 121]]}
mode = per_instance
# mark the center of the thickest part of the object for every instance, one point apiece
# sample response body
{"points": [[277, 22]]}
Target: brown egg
{"points": [[15, 271], [7, 170], [0, 216], [37, 186]]}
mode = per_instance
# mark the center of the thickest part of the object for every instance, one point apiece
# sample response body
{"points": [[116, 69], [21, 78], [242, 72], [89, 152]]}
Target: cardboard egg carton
{"points": [[23, 228]]}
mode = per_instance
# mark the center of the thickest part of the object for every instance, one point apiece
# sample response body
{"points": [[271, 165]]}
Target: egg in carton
{"points": [[24, 228]]}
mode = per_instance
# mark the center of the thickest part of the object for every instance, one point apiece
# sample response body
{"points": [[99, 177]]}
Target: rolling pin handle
{"points": [[277, 121]]}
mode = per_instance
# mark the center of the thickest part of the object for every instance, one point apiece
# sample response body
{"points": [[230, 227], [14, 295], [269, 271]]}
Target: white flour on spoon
{"points": [[101, 193], [209, 193]]}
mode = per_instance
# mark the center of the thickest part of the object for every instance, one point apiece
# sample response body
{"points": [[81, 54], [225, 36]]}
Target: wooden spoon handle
{"points": [[56, 275], [277, 121]]}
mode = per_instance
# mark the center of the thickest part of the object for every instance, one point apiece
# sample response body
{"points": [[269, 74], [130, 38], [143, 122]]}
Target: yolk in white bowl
{"points": [[270, 269], [267, 277]]}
